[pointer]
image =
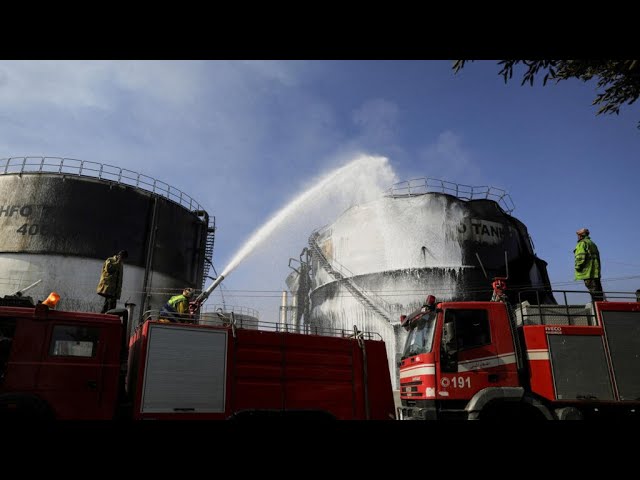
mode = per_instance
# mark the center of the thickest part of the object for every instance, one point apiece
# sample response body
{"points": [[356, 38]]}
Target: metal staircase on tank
{"points": [[208, 249], [378, 306]]}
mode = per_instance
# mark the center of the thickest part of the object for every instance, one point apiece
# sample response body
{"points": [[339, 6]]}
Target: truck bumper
{"points": [[425, 411]]}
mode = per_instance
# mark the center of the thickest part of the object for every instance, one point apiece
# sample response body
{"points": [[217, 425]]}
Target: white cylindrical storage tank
{"points": [[381, 259]]}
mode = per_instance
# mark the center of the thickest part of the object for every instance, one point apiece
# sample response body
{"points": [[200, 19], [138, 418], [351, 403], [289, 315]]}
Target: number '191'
{"points": [[461, 382]]}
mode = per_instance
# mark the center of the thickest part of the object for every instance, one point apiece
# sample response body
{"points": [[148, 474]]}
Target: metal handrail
{"points": [[238, 310], [84, 168], [316, 330], [422, 185], [224, 320], [571, 312]]}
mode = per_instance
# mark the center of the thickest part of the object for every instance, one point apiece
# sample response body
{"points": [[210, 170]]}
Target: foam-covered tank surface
{"points": [[397, 250]]}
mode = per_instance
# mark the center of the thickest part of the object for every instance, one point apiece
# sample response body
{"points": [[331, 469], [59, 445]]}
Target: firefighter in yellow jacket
{"points": [[110, 284], [177, 308], [587, 264]]}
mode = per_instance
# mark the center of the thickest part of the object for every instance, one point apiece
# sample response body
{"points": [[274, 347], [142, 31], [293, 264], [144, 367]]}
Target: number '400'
{"points": [[33, 229]]}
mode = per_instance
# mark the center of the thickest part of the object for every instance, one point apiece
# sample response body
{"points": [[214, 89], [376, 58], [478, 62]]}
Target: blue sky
{"points": [[245, 137]]}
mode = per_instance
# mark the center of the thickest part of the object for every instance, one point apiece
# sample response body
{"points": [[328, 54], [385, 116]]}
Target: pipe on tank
{"points": [[283, 309], [294, 314], [148, 264], [130, 309]]}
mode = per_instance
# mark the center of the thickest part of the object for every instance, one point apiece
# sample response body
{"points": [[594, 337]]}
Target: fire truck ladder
{"points": [[367, 299]]}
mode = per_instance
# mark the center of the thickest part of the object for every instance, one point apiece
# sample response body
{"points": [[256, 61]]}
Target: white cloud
{"points": [[377, 120], [178, 82], [66, 83], [26, 84], [447, 159], [284, 72]]}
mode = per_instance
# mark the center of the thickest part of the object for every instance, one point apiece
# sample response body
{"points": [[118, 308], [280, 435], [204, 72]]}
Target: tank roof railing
{"points": [[420, 186], [110, 173]]}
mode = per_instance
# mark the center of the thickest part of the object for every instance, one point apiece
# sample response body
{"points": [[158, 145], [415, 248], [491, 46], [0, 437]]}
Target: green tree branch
{"points": [[618, 80]]}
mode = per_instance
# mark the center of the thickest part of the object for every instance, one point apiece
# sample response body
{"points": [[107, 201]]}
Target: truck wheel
{"points": [[568, 413]]}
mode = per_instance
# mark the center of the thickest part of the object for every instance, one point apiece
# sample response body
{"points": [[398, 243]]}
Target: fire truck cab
{"points": [[56, 364], [487, 360]]}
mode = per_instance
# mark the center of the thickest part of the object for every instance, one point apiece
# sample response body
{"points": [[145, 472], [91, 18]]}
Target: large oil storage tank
{"points": [[61, 218], [381, 259]]}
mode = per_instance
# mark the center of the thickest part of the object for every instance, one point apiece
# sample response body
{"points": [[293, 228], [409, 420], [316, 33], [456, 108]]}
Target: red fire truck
{"points": [[492, 360], [89, 366]]}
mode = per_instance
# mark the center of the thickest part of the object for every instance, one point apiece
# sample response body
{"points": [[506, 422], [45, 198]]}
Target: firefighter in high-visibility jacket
{"points": [[587, 264], [177, 308]]}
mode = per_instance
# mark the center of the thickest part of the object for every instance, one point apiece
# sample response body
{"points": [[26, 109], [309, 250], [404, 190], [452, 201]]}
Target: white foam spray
{"points": [[360, 180]]}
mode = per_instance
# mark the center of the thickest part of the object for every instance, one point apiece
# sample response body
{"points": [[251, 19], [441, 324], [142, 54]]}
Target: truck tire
{"points": [[24, 408], [568, 413]]}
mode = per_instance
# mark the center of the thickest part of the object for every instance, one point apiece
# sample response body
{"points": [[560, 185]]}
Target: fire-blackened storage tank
{"points": [[380, 259], [61, 218]]}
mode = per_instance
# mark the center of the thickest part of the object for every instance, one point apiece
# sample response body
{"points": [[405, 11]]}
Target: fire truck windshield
{"points": [[420, 337]]}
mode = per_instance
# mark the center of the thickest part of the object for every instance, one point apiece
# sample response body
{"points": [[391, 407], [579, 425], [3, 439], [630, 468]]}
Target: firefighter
{"points": [[587, 264], [177, 308], [110, 284]]}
